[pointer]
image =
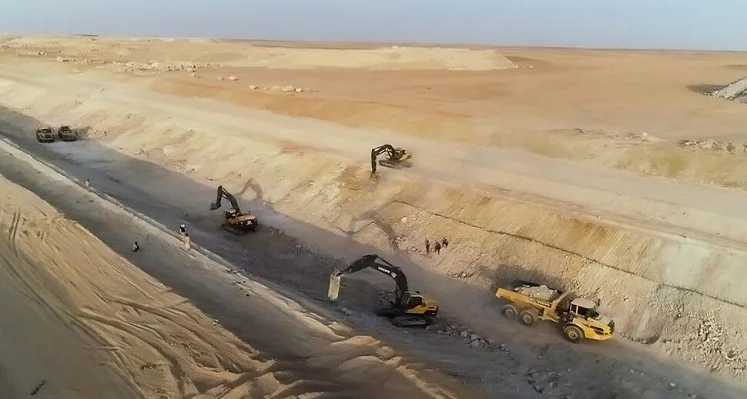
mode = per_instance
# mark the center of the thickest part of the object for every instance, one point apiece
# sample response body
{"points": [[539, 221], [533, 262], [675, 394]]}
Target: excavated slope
{"points": [[680, 295]]}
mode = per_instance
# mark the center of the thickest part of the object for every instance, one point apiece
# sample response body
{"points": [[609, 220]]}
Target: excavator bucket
{"points": [[334, 286]]}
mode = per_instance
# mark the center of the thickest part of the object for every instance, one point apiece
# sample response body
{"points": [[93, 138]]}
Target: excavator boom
{"points": [[223, 193], [374, 262]]}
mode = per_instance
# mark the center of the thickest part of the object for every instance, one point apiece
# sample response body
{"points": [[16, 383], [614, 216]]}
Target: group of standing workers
{"points": [[437, 246]]}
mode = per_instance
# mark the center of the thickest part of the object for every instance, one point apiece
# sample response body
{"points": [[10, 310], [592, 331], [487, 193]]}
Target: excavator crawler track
{"points": [[395, 165], [238, 231], [411, 321]]}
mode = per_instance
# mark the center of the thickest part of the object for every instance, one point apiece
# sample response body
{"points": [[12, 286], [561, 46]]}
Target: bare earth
{"points": [[566, 166]]}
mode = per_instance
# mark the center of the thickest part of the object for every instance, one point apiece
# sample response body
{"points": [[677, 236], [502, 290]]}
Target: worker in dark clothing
{"points": [[135, 247], [444, 243], [182, 229], [437, 247], [427, 246]]}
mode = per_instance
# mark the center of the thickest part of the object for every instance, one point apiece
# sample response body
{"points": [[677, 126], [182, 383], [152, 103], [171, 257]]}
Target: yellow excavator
{"points": [[236, 222], [409, 309], [396, 157]]}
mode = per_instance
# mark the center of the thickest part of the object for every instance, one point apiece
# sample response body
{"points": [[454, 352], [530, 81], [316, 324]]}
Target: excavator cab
{"points": [[409, 308], [237, 222], [397, 157]]}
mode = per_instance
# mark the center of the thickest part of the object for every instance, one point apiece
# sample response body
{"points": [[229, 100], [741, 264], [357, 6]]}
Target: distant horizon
{"points": [[675, 25], [312, 43]]}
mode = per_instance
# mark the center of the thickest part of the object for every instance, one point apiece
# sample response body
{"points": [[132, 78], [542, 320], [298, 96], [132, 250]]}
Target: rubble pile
{"points": [[735, 91], [711, 144], [285, 89], [711, 342], [155, 66], [472, 339]]}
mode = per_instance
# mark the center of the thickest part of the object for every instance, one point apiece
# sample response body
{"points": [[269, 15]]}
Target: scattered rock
{"points": [[156, 66], [711, 144], [233, 78]]}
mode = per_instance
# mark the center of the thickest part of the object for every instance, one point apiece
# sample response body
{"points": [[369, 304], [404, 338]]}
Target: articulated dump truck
{"points": [[577, 317]]}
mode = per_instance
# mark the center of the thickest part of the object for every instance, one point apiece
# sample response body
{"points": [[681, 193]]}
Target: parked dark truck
{"points": [[45, 135], [67, 134]]}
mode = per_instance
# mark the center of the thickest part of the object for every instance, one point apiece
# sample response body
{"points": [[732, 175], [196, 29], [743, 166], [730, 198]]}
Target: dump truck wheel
{"points": [[527, 317], [510, 311], [573, 333]]}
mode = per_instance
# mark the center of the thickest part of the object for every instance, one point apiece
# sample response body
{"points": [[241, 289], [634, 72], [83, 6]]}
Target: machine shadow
{"points": [[273, 254], [704, 88]]}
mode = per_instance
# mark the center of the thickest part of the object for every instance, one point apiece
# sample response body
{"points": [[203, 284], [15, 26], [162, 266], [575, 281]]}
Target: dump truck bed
{"points": [[533, 290]]}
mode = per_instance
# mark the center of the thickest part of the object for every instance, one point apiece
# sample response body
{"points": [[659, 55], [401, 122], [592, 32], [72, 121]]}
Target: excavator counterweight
{"points": [[236, 222], [396, 157], [409, 309]]}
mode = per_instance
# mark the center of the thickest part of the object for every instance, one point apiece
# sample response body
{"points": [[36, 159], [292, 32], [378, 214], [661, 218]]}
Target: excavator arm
{"points": [[375, 152], [396, 155], [223, 193], [374, 262]]}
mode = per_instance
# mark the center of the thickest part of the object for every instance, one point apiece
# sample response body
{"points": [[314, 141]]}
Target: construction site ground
{"points": [[559, 165]]}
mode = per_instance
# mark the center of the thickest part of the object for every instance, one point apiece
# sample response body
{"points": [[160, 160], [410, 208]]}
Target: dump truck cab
{"points": [[578, 317], [586, 317]]}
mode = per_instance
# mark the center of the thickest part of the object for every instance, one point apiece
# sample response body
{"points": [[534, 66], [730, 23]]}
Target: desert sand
{"points": [[611, 173]]}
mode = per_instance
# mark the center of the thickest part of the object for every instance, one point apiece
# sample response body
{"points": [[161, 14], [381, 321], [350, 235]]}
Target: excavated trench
{"points": [[679, 295]]}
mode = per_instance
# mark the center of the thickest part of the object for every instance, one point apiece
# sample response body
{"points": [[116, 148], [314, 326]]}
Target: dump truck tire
{"points": [[573, 333], [509, 311], [527, 317]]}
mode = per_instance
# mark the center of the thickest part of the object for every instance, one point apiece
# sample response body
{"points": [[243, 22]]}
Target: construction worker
{"points": [[135, 247], [186, 240]]}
